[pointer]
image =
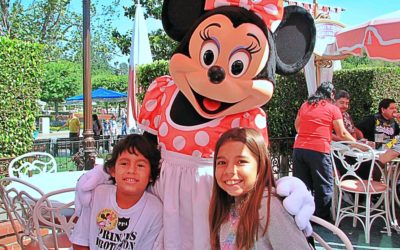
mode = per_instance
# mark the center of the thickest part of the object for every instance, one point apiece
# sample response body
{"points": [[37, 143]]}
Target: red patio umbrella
{"points": [[379, 38]]}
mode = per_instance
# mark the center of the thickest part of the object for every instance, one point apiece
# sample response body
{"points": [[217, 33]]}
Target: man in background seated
{"points": [[382, 124], [342, 101]]}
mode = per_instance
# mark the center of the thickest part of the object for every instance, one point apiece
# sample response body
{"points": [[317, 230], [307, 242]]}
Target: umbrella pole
{"points": [[88, 142]]}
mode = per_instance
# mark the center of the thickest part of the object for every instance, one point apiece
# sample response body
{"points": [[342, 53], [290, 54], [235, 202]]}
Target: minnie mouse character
{"points": [[221, 74]]}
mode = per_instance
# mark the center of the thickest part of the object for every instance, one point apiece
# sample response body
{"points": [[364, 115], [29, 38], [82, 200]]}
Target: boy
{"points": [[124, 215]]}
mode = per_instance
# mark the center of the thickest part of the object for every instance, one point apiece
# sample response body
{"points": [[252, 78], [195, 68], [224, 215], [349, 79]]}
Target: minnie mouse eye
{"points": [[238, 63], [209, 54]]}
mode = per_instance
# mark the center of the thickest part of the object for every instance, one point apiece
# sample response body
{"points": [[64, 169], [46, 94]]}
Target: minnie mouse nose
{"points": [[216, 74]]}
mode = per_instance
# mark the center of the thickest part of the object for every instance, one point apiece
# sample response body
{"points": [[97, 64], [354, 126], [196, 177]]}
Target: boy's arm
{"points": [[81, 233]]}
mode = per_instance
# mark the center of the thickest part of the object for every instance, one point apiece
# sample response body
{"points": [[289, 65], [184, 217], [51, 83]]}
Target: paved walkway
{"points": [[58, 134]]}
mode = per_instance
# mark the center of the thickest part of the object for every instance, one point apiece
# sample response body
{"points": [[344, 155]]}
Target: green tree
{"points": [[161, 45], [45, 21], [62, 79], [58, 26], [110, 81]]}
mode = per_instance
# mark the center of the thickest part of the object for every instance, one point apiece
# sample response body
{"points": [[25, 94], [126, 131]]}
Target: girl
{"points": [[244, 212], [124, 215]]}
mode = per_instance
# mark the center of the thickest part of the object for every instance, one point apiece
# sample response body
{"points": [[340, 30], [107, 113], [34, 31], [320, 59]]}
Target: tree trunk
{"points": [[56, 109]]}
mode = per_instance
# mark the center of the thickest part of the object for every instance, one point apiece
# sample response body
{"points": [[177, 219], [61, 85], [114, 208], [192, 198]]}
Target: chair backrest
{"points": [[335, 230], [32, 163], [59, 217], [18, 198], [352, 156]]}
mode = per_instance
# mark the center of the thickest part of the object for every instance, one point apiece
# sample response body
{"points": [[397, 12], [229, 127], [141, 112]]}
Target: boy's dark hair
{"points": [[385, 104], [342, 94], [140, 144]]}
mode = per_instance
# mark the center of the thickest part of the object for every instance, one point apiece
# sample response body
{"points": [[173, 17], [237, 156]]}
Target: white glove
{"points": [[299, 201], [86, 184]]}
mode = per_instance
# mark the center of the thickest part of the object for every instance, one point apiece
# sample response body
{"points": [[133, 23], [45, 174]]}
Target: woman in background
{"points": [[311, 154]]}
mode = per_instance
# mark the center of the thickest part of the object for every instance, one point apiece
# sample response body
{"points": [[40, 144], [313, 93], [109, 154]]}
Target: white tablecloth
{"points": [[49, 182]]}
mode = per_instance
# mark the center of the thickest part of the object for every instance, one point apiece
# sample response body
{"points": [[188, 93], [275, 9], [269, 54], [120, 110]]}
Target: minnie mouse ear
{"points": [[179, 15], [294, 40]]}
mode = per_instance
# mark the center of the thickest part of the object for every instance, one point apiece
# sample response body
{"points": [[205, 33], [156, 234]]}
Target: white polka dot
{"points": [[256, 1], [246, 115], [179, 142], [146, 123], [163, 131], [214, 123], [196, 153], [170, 82], [164, 97], [151, 105], [260, 121], [152, 86], [162, 89], [202, 138], [235, 123], [157, 120]]}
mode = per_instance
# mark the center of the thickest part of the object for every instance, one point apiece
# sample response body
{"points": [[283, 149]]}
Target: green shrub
{"points": [[290, 92], [21, 74], [367, 87]]}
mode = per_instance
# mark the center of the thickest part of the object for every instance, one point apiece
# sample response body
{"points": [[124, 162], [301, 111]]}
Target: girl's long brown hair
{"points": [[221, 202]]}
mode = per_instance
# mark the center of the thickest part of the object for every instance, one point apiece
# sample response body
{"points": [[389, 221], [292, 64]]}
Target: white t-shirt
{"points": [[106, 226]]}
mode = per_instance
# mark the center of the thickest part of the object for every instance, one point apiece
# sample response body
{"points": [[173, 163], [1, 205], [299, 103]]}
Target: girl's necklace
{"points": [[228, 230]]}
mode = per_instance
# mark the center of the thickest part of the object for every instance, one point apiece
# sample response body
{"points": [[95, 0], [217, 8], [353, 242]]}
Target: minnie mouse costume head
{"points": [[222, 72]]}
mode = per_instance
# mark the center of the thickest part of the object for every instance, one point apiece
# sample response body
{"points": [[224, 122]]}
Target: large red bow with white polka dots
{"points": [[270, 11]]}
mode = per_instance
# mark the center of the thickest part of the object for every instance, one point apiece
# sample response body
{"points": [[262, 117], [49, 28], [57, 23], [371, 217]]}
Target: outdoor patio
{"points": [[357, 237]]}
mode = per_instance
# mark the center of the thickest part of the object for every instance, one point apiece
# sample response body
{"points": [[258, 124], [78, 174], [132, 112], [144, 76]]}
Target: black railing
{"points": [[281, 150], [64, 148]]}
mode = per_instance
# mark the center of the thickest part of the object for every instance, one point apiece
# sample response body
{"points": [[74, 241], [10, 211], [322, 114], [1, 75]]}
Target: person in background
{"points": [[124, 118], [311, 154], [113, 128], [97, 128], [245, 212], [106, 127], [74, 126], [342, 101], [124, 215], [381, 126]]}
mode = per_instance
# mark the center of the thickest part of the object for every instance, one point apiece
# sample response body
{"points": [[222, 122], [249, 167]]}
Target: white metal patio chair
{"points": [[58, 217], [350, 182], [18, 199], [32, 163], [342, 236]]}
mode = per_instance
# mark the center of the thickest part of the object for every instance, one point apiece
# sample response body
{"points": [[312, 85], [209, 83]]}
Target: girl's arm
{"points": [[282, 232]]}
